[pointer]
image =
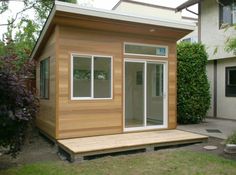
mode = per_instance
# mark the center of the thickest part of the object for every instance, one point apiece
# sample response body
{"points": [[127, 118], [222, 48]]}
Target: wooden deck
{"points": [[80, 147]]}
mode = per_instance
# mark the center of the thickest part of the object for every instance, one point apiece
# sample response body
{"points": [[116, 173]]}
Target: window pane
{"points": [[102, 77], [145, 50], [232, 77], [82, 77], [230, 82], [155, 101], [41, 79], [227, 13], [234, 13], [44, 78]]}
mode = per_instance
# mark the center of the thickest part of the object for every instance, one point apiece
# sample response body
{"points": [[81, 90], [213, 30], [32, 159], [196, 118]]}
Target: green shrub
{"points": [[193, 96], [232, 138]]}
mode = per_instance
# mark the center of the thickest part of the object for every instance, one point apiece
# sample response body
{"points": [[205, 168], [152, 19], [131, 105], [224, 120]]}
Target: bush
{"points": [[193, 96], [17, 104], [231, 139]]}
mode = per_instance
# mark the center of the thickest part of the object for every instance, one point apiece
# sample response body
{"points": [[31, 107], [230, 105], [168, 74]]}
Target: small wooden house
{"points": [[100, 72]]}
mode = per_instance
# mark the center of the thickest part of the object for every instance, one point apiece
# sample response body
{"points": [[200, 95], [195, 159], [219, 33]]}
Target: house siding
{"points": [[78, 118], [214, 39], [46, 116]]}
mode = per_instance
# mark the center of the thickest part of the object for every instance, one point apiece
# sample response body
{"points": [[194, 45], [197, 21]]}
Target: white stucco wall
{"points": [[142, 10], [226, 106], [215, 38], [155, 12], [211, 35], [193, 35]]}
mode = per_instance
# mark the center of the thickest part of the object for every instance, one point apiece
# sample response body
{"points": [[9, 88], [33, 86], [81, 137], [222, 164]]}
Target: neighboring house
{"points": [[101, 72], [143, 9], [215, 27]]}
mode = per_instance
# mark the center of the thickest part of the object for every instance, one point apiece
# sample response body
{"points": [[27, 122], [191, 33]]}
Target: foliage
{"points": [[193, 99], [231, 45], [160, 162], [18, 105], [232, 138], [22, 34]]}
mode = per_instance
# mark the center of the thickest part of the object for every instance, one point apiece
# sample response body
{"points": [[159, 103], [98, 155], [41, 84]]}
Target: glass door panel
{"points": [[155, 98], [134, 94]]}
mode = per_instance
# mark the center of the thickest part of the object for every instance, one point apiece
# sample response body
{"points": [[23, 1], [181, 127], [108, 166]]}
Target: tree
{"points": [[193, 95], [26, 29]]}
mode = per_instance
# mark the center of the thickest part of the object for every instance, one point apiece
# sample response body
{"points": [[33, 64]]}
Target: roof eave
{"points": [[72, 8]]}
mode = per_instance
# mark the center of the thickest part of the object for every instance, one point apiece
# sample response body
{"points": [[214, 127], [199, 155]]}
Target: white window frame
{"points": [[141, 44], [92, 76]]}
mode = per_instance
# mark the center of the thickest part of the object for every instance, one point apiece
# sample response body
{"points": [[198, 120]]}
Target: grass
{"points": [[168, 162]]}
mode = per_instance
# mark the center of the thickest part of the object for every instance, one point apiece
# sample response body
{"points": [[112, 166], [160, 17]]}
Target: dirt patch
{"points": [[38, 149], [198, 147]]}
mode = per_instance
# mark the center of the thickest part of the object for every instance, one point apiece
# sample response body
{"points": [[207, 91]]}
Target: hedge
{"points": [[193, 95]]}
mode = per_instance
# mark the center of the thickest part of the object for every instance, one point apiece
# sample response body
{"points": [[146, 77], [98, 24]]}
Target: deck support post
{"points": [[76, 158], [150, 148]]}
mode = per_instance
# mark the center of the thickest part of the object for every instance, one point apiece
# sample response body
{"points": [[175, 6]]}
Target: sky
{"points": [[16, 6]]}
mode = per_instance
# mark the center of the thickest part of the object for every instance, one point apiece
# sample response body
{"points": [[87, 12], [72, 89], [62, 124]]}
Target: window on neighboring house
{"points": [[91, 77], [230, 82], [227, 13], [44, 78], [187, 40]]}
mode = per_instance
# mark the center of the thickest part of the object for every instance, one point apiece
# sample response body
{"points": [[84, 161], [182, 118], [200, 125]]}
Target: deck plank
{"points": [[119, 141]]}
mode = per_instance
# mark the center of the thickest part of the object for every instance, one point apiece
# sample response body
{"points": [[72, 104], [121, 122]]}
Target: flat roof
{"points": [[76, 9]]}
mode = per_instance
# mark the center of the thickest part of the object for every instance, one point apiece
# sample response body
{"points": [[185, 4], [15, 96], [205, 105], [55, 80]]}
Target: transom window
{"points": [[227, 13], [44, 78], [91, 77], [230, 81], [146, 50]]}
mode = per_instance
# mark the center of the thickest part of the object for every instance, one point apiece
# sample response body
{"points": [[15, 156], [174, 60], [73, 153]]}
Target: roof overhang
{"points": [[75, 11], [187, 4]]}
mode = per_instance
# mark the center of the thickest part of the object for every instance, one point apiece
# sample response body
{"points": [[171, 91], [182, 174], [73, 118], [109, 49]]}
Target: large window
{"points": [[44, 78], [146, 50], [227, 13], [91, 77], [230, 81]]}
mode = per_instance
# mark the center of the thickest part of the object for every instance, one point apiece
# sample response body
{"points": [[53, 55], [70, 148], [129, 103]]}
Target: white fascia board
{"points": [[76, 9]]}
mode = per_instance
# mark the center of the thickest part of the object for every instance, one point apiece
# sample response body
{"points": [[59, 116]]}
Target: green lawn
{"points": [[172, 162]]}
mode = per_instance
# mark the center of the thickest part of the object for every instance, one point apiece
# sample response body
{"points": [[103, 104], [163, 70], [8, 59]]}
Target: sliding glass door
{"points": [[145, 100]]}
